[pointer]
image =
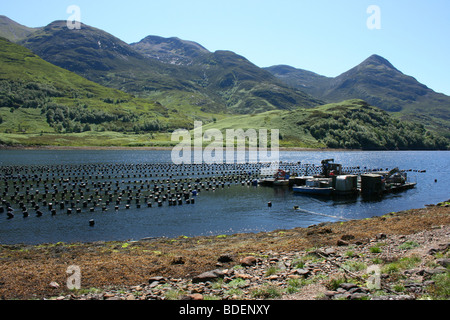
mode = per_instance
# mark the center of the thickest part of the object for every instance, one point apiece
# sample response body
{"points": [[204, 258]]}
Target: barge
{"points": [[333, 181]]}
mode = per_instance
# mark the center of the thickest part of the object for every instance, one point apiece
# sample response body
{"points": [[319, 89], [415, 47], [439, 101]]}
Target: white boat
{"points": [[281, 182], [313, 190]]}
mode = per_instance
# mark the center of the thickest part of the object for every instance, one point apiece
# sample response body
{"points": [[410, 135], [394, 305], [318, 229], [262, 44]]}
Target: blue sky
{"points": [[327, 37]]}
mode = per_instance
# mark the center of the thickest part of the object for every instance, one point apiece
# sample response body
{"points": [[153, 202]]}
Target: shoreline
{"points": [[121, 148], [50, 147], [160, 266]]}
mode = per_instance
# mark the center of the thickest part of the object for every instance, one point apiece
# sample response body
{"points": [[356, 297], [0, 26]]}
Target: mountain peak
{"points": [[12, 30], [170, 50], [377, 61]]}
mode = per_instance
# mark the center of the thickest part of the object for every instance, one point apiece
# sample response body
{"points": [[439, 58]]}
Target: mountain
{"points": [[12, 30], [178, 74], [226, 76], [170, 50], [308, 81], [100, 57], [379, 83]]}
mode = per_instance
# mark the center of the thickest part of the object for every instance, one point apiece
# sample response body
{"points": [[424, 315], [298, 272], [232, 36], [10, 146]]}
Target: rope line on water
{"points": [[322, 214]]}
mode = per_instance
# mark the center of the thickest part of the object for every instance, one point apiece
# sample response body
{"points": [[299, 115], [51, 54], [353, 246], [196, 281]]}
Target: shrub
{"points": [[271, 271], [267, 291], [293, 285], [375, 249], [440, 289], [334, 283], [408, 245]]}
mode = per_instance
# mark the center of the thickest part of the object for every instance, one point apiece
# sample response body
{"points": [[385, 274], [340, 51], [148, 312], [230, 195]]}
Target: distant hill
{"points": [[378, 82], [100, 57], [39, 97], [308, 81], [14, 31], [170, 50], [171, 71], [351, 124]]}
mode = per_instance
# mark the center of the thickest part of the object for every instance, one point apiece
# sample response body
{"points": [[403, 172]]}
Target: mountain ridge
{"points": [[13, 30], [223, 81], [378, 82], [210, 85], [170, 50]]}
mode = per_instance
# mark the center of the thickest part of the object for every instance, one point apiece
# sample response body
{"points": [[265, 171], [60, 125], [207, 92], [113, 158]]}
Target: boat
{"points": [[280, 178], [281, 182], [326, 191]]}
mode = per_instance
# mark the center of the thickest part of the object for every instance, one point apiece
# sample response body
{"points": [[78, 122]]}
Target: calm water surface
{"points": [[228, 210]]}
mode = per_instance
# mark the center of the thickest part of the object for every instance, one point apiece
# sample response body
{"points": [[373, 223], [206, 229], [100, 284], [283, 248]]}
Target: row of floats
{"points": [[98, 187]]}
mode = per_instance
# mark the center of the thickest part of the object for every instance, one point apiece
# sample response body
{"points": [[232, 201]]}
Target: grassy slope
{"points": [[351, 124], [19, 125]]}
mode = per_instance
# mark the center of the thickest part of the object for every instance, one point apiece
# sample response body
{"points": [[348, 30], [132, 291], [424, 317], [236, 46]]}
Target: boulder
{"points": [[194, 296], [248, 261]]}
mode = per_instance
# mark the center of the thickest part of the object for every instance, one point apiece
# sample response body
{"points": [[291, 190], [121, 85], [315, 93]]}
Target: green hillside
{"points": [[37, 97], [351, 124]]}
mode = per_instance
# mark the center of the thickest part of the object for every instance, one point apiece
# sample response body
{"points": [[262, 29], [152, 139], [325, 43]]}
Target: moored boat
{"points": [[313, 190]]}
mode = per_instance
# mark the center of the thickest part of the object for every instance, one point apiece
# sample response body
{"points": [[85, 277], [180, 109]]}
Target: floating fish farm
{"points": [[72, 189]]}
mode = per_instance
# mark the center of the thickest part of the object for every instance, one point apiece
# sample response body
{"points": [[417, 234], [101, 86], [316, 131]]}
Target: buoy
{"points": [[269, 204], [91, 222]]}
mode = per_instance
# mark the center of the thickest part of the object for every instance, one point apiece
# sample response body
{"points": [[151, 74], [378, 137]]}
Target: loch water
{"points": [[236, 208]]}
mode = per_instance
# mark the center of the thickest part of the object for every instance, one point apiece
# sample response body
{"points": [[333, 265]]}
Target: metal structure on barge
{"points": [[333, 179]]}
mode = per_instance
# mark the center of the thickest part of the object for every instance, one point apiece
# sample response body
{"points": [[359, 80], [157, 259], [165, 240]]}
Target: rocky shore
{"points": [[398, 256]]}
